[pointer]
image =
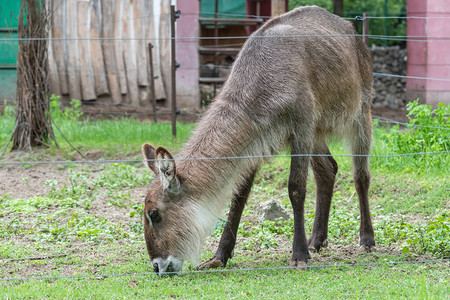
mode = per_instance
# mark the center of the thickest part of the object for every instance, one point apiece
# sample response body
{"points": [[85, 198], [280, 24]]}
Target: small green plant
{"points": [[119, 176], [71, 113], [9, 111], [428, 131], [434, 238], [118, 198], [79, 191]]}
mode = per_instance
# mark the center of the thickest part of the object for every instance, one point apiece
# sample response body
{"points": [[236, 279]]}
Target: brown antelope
{"points": [[287, 87]]}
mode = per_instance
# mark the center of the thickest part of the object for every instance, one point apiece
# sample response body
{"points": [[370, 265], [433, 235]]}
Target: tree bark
{"points": [[33, 124]]}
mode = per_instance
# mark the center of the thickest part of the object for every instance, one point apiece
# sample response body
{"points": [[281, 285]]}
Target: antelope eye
{"points": [[155, 216]]}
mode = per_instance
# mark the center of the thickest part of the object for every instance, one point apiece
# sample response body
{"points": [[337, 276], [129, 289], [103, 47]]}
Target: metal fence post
{"points": [[173, 16], [152, 82], [365, 30]]}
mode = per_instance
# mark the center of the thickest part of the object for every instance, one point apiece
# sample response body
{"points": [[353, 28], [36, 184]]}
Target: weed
{"points": [[118, 176], [118, 198], [428, 131], [137, 226], [72, 113], [434, 238]]}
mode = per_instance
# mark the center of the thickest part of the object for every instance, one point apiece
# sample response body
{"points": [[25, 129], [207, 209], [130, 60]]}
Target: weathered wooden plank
{"points": [[141, 53], [118, 45], [151, 34], [129, 52], [86, 67], [140, 25], [59, 32], [164, 49], [101, 83], [52, 68], [109, 51], [73, 66]]}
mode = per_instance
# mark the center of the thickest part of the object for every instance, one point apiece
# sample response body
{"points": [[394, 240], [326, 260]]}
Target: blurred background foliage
{"points": [[394, 25]]}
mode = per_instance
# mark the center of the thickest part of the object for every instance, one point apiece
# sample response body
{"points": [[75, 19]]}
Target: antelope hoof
{"points": [[212, 263], [298, 265], [316, 246], [366, 248]]}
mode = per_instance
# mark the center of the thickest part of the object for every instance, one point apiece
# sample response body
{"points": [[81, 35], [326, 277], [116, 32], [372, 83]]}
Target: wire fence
{"points": [[181, 39], [306, 267], [413, 38], [115, 161], [241, 16]]}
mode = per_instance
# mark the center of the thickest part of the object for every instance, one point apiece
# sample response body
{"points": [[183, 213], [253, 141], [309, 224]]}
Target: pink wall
{"points": [[430, 58], [188, 92]]}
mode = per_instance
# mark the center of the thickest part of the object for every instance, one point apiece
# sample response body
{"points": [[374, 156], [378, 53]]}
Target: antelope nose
{"points": [[156, 267], [170, 265]]}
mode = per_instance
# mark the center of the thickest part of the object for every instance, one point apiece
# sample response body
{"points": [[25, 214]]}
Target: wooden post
{"points": [[52, 66], [98, 61], [365, 29], [152, 82], [73, 63], [60, 32], [109, 51], [86, 70], [278, 7], [173, 69], [129, 53], [150, 19], [118, 43]]}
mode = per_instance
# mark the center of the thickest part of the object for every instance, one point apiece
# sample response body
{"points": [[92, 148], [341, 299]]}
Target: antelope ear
{"points": [[148, 151], [167, 170]]}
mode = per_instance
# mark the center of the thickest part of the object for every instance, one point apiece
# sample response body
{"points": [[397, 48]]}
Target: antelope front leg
{"points": [[228, 240], [297, 192]]}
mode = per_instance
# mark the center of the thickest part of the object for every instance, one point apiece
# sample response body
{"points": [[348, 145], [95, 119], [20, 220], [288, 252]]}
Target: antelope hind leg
{"points": [[360, 141], [325, 170]]}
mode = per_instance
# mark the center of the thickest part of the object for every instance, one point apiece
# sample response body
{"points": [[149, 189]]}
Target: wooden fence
{"points": [[99, 50]]}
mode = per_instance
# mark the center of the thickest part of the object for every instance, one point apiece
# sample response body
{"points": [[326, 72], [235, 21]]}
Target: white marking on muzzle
{"points": [[168, 265]]}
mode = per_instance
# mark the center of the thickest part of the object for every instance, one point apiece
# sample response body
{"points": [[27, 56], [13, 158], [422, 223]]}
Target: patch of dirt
{"points": [[19, 182], [333, 254], [398, 115]]}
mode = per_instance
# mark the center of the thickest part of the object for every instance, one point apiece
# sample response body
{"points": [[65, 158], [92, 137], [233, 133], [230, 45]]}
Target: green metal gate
{"points": [[9, 14]]}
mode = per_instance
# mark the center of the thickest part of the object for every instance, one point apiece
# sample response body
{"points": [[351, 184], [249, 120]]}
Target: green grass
{"points": [[122, 136], [93, 216], [413, 282]]}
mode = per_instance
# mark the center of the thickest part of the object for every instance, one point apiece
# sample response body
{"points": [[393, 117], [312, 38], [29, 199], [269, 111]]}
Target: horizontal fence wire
{"points": [[114, 161], [229, 67], [243, 16], [421, 38], [406, 77], [400, 15], [250, 16], [151, 113], [307, 267], [386, 120]]}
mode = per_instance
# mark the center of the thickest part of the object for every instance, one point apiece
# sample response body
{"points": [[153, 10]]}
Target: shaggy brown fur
{"points": [[285, 89]]}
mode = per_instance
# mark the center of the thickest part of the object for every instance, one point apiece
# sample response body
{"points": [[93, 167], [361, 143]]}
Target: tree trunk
{"points": [[33, 124]]}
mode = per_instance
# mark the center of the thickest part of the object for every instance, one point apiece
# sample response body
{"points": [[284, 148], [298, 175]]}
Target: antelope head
{"points": [[173, 226]]}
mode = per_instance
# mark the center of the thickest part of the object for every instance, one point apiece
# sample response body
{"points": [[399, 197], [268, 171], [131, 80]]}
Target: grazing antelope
{"points": [[287, 87]]}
